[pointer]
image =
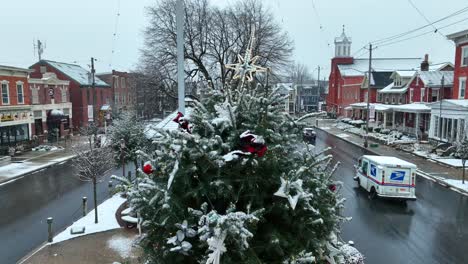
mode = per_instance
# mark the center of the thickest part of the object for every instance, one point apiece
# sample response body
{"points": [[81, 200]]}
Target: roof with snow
{"points": [[412, 108], [434, 78], [377, 107], [391, 88], [76, 73], [342, 38], [151, 129], [361, 66], [284, 87], [441, 66], [405, 74]]}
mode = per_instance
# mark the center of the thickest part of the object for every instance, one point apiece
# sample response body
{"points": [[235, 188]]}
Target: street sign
{"points": [[372, 112]]}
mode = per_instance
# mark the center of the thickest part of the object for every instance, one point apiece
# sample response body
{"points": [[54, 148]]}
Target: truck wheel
{"points": [[373, 194]]}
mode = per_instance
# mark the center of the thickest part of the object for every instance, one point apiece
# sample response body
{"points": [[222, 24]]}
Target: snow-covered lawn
{"points": [[457, 183], [325, 128], [106, 217], [121, 244]]}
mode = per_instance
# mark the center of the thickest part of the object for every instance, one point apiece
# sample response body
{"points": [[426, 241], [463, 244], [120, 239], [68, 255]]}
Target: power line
{"points": [[422, 34], [425, 18], [393, 37], [114, 37]]}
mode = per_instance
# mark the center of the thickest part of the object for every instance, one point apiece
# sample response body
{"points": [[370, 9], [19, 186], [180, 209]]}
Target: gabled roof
{"points": [[378, 80], [441, 66], [434, 78], [360, 66], [403, 74], [392, 89], [456, 35], [76, 73]]}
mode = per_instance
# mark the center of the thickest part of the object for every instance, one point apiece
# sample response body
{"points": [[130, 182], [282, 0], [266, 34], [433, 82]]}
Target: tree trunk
{"points": [[95, 200]]}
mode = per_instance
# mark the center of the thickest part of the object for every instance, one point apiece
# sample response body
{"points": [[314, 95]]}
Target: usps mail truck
{"points": [[389, 177]]}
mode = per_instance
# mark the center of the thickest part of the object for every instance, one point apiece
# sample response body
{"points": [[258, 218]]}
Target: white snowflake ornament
{"points": [[285, 188], [216, 245]]}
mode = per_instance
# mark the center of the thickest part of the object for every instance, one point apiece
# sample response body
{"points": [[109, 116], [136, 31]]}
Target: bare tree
{"points": [[213, 38], [299, 73], [91, 164], [90, 132]]}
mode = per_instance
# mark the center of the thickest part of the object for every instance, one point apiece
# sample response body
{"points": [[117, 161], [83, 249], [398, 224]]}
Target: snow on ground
{"points": [[457, 183], [106, 217], [16, 169], [342, 135], [451, 162], [121, 245], [325, 128]]}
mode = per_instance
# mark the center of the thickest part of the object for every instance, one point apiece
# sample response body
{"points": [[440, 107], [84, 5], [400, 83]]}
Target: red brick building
{"points": [[461, 64], [123, 90], [88, 103], [348, 76], [15, 106], [51, 106]]}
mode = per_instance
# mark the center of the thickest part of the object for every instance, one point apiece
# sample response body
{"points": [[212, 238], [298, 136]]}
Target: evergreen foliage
{"points": [[210, 200]]}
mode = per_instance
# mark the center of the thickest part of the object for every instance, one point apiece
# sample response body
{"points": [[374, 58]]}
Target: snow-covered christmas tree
{"points": [[234, 184]]}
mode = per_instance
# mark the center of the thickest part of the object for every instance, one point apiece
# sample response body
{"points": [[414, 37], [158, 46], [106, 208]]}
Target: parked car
{"points": [[309, 135], [388, 177]]}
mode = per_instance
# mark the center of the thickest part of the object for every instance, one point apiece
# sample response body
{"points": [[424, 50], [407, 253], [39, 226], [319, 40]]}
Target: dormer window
{"points": [[397, 81]]}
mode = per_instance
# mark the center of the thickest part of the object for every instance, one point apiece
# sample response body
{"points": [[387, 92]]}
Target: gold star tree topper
{"points": [[246, 67]]}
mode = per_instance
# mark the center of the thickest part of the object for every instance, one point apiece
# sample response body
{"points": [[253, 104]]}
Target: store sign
{"points": [[372, 112], [6, 118]]}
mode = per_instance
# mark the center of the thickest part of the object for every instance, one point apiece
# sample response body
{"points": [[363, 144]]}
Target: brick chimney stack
{"points": [[425, 63]]}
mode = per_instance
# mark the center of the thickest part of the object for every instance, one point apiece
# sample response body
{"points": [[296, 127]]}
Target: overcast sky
{"points": [[76, 30]]}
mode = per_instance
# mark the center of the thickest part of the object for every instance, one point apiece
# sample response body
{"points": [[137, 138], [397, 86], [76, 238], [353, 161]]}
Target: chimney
{"points": [[425, 63]]}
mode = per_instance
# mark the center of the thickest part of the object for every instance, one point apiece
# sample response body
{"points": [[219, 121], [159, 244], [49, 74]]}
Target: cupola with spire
{"points": [[343, 45]]}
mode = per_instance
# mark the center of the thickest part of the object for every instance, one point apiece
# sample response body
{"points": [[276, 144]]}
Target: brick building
{"points": [[51, 106], [88, 104], [461, 64], [347, 76], [123, 90], [15, 106]]}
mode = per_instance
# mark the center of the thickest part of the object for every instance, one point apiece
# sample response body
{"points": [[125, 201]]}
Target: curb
{"points": [[33, 171], [418, 172]]}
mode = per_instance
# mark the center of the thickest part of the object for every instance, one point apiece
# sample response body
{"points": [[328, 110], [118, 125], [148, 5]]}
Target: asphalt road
{"points": [[27, 202], [433, 229]]}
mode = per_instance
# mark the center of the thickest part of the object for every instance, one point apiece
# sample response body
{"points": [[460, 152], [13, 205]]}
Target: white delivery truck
{"points": [[388, 177]]}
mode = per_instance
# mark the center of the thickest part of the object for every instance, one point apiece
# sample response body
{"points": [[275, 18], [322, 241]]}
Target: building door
{"points": [[39, 130]]}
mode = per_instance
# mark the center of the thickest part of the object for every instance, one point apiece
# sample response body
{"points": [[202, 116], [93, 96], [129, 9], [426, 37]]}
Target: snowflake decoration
{"points": [[246, 67], [285, 188]]}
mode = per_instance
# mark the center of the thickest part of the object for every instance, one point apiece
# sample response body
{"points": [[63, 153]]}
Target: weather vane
{"points": [[246, 67]]}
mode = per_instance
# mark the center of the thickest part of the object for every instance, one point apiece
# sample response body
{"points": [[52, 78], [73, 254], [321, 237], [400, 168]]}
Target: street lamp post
{"points": [[122, 155], [369, 76]]}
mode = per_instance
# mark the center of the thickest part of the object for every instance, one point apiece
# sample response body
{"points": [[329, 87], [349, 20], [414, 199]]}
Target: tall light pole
{"points": [[180, 55], [122, 155], [318, 88], [369, 76], [441, 90]]}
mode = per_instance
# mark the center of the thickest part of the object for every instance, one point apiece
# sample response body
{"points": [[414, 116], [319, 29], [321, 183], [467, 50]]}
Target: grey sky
{"points": [[77, 30]]}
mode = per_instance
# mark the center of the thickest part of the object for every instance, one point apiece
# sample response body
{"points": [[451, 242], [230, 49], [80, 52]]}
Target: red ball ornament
{"points": [[332, 187], [148, 169]]}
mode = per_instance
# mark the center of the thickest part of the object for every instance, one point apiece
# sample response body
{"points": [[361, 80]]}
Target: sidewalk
{"points": [[445, 175], [104, 242], [32, 161], [105, 247]]}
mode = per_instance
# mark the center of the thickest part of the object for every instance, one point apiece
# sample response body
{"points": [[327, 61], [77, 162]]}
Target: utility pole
{"points": [[180, 55], [318, 88], [441, 90], [366, 143], [93, 89]]}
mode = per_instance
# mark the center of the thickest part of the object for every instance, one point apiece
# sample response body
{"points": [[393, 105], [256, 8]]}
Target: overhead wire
{"points": [[422, 34], [114, 36], [400, 35], [425, 18]]}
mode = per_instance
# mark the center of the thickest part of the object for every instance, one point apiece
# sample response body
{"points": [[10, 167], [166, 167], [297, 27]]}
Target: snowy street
{"points": [[430, 230], [28, 201]]}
